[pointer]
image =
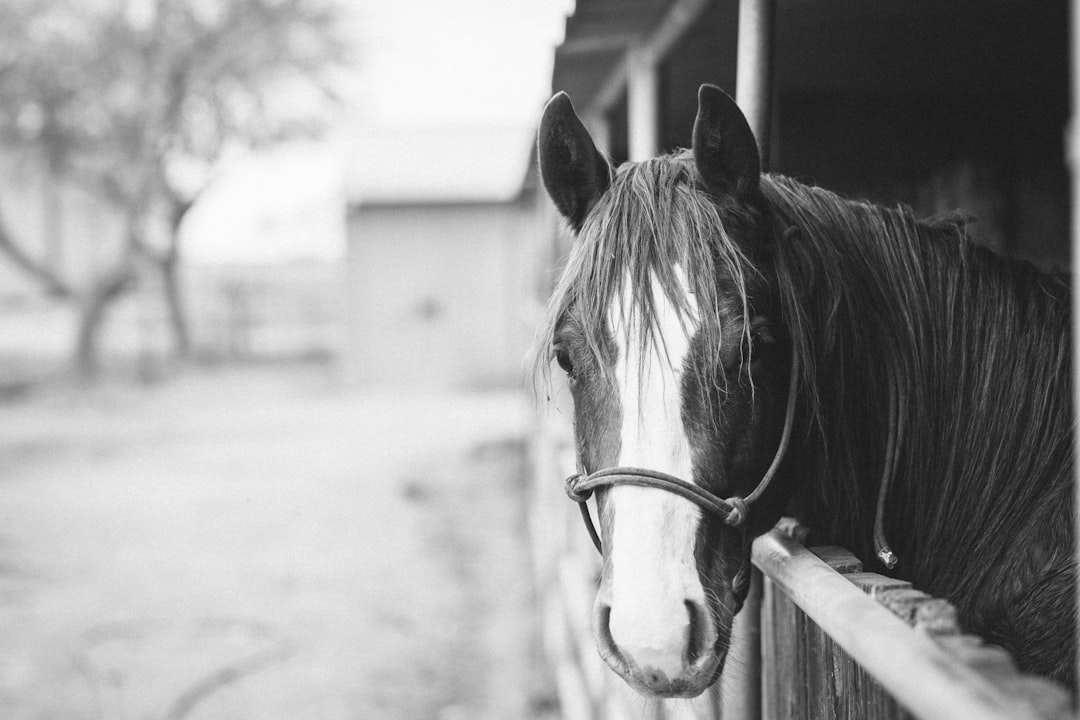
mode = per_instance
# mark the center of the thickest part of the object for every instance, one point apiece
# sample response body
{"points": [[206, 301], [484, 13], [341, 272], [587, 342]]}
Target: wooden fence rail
{"points": [[841, 643], [818, 637]]}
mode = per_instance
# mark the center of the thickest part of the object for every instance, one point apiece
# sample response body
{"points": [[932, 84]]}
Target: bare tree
{"points": [[138, 101]]}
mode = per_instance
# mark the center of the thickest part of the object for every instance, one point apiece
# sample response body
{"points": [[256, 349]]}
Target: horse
{"points": [[739, 346]]}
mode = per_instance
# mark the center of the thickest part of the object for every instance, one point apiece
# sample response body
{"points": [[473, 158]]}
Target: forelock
{"points": [[654, 220]]}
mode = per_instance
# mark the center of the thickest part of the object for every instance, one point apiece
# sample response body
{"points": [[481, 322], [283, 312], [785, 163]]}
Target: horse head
{"points": [[670, 337]]}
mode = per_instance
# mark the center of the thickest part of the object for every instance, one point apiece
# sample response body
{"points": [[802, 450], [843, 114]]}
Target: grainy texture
{"points": [[807, 675], [902, 327], [231, 546]]}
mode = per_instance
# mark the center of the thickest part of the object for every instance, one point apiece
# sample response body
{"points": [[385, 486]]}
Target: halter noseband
{"points": [[732, 511]]}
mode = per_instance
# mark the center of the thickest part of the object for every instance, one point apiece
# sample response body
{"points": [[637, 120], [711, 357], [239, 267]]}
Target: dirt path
{"points": [[262, 546]]}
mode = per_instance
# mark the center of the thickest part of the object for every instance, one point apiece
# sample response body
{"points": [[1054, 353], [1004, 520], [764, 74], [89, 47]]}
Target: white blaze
{"points": [[653, 572]]}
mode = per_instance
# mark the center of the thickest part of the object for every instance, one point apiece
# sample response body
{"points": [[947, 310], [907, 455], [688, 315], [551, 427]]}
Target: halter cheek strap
{"points": [[732, 511]]}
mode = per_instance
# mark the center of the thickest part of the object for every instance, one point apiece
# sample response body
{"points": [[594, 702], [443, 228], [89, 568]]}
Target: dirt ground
{"points": [[263, 545]]}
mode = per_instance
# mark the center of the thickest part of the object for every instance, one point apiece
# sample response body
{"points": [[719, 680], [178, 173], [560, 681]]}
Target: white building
{"points": [[442, 234]]}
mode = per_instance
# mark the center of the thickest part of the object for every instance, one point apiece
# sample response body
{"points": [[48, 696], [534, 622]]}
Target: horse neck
{"points": [[975, 344]]}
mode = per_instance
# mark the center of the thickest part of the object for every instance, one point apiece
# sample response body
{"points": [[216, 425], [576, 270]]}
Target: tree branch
{"points": [[232, 673], [54, 284]]}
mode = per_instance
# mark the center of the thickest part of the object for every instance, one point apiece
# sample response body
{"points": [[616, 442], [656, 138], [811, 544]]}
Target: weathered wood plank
{"points": [[920, 673], [839, 559], [769, 666], [839, 687], [738, 694], [936, 617]]}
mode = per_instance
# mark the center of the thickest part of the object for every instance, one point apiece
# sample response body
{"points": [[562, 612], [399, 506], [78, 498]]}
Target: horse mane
{"points": [[929, 365], [905, 329], [654, 222], [975, 346]]}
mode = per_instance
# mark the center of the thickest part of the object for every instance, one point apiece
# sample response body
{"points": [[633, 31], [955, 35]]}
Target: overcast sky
{"points": [[438, 62], [426, 68]]}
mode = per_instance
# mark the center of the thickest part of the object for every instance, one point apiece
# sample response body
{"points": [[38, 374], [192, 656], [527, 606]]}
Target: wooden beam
{"points": [[920, 673], [596, 44], [650, 50], [1072, 143], [680, 17]]}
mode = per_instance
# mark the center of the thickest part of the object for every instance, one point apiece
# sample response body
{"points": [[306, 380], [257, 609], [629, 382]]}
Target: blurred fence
{"points": [[272, 312], [286, 311], [817, 638]]}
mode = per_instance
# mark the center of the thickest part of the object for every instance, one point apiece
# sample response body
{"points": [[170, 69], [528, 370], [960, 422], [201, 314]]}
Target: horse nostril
{"points": [[653, 677], [603, 634], [695, 641]]}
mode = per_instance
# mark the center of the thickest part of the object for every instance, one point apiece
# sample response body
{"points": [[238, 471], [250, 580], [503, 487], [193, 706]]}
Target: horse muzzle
{"points": [[679, 661]]}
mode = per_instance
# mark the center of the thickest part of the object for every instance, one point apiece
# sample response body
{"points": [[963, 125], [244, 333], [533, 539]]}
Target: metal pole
{"points": [[753, 69], [642, 104]]}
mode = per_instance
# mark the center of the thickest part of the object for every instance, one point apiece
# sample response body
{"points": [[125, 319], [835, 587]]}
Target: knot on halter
{"points": [[733, 511], [578, 496], [737, 515]]}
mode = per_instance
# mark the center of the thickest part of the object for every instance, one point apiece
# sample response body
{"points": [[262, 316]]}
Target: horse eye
{"points": [[562, 356], [762, 330]]}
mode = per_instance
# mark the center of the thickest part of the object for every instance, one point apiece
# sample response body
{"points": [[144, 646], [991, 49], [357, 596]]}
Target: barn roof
{"points": [[878, 100], [470, 164], [467, 164], [597, 37]]}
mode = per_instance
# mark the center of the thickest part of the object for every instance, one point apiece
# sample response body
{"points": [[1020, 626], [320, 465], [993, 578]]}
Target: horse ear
{"points": [[725, 151], [574, 172]]}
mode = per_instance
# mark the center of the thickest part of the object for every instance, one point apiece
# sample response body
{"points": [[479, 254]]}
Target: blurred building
{"points": [[263, 254], [441, 236]]}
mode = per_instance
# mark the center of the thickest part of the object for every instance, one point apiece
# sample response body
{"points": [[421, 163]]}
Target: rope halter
{"points": [[732, 511]]}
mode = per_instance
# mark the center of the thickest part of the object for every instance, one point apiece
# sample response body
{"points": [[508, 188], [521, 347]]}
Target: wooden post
{"points": [[741, 699], [1072, 144], [740, 685], [642, 104], [637, 75], [598, 126], [753, 69], [950, 677]]}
